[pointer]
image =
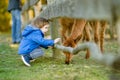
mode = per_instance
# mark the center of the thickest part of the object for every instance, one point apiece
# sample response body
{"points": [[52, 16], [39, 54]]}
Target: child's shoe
{"points": [[26, 60]]}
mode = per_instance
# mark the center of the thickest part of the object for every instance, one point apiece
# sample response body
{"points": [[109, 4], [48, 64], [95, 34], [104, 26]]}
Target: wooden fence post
{"points": [[37, 8], [54, 28], [118, 29], [25, 19]]}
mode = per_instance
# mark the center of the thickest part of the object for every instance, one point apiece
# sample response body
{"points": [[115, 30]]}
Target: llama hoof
{"points": [[67, 63]]}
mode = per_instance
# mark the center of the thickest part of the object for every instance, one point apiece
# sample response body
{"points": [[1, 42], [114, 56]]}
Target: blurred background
{"points": [[5, 16]]}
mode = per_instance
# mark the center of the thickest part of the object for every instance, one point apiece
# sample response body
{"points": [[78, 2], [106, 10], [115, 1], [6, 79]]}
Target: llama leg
{"points": [[67, 57], [96, 26], [87, 35], [102, 34]]}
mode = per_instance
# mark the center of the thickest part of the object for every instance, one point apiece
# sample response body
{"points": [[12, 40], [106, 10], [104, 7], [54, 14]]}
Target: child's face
{"points": [[45, 28]]}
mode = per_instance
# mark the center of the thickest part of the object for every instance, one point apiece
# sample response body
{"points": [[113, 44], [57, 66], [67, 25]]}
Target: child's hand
{"points": [[50, 46], [57, 40]]}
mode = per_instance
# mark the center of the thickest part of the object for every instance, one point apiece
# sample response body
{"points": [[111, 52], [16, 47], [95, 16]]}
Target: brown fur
{"points": [[99, 28], [72, 31]]}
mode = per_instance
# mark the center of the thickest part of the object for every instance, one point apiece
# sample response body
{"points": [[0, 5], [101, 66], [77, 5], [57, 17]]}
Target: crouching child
{"points": [[33, 40]]}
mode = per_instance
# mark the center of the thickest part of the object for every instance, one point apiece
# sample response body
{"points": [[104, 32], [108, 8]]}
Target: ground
{"points": [[47, 68]]}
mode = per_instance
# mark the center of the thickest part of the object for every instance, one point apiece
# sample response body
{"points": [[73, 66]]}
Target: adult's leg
{"points": [[18, 25], [13, 31]]}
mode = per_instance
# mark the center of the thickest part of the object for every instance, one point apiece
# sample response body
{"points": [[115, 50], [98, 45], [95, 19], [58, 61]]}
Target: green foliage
{"points": [[4, 16]]}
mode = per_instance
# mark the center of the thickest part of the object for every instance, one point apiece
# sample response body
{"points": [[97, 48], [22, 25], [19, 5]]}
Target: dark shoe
{"points": [[26, 60], [13, 42], [17, 42]]}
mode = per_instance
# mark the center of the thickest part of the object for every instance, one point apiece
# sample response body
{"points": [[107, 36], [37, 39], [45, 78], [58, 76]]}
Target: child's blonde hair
{"points": [[40, 22]]}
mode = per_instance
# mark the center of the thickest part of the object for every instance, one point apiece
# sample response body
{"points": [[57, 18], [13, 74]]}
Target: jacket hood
{"points": [[28, 30]]}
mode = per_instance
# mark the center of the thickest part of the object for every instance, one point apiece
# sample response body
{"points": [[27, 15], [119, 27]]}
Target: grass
{"points": [[47, 68]]}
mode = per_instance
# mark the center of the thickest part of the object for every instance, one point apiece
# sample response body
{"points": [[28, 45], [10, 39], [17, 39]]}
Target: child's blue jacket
{"points": [[33, 38]]}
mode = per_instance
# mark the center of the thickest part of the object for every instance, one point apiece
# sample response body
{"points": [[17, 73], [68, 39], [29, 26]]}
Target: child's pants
{"points": [[36, 53]]}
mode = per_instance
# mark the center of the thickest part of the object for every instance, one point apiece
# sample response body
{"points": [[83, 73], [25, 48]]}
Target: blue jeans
{"points": [[16, 25], [36, 53]]}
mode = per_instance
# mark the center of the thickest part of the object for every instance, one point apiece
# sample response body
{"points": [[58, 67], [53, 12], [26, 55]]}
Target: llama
{"points": [[72, 31]]}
